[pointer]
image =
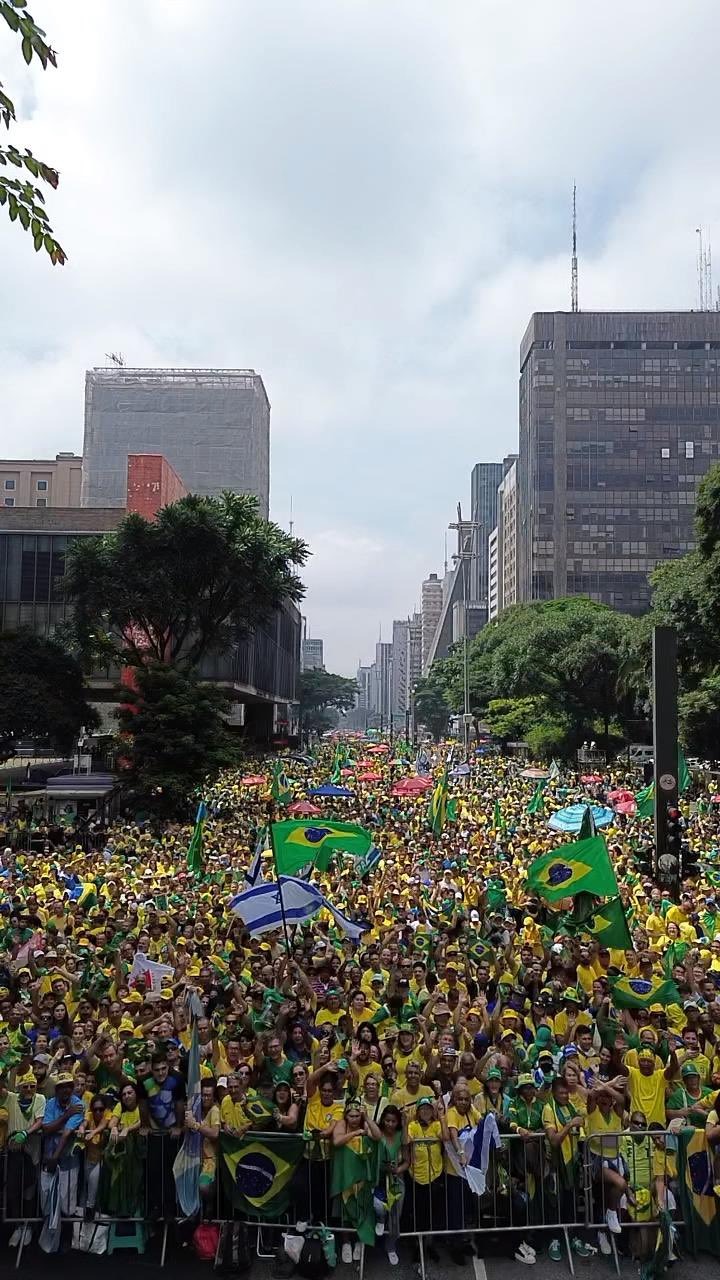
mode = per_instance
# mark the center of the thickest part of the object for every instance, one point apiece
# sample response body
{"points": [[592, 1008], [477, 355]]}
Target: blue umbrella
{"points": [[570, 819], [329, 789]]}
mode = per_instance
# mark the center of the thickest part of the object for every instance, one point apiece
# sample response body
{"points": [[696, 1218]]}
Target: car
{"points": [[636, 753]]}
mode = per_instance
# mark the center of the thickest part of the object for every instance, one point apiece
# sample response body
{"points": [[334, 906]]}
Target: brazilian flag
{"points": [[700, 1208], [437, 811], [298, 843], [352, 1182], [257, 1172], [280, 790], [88, 896], [537, 803], [584, 866], [609, 926], [499, 823], [640, 993], [645, 802]]}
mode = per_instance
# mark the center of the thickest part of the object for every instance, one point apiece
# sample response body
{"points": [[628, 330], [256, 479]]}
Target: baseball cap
{"points": [[689, 1069], [64, 1078], [494, 1074], [525, 1079], [646, 1055]]}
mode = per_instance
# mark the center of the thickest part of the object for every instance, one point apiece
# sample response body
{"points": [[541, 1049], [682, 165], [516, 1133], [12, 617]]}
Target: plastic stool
{"points": [[134, 1238]]}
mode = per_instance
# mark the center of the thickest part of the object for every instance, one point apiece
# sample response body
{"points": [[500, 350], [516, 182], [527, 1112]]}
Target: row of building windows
{"points": [[41, 485]]}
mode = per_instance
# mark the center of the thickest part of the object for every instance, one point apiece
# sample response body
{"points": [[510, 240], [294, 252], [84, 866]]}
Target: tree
{"points": [[41, 693], [182, 586], [431, 707], [176, 736], [24, 201], [320, 691]]}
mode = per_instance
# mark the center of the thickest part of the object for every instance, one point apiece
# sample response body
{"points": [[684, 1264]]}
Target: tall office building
{"points": [[414, 649], [494, 605], [619, 419], [213, 426], [484, 481], [311, 655], [431, 607], [503, 578], [383, 678], [363, 681], [400, 667]]}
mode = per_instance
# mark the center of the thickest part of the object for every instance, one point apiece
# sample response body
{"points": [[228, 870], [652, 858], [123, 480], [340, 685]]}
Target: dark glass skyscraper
{"points": [[618, 422], [484, 481]]}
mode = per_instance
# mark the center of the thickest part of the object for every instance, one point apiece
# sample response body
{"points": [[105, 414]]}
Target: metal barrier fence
{"points": [[523, 1190]]}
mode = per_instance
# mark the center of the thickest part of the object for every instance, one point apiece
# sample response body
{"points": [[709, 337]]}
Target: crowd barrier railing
{"points": [[524, 1189]]}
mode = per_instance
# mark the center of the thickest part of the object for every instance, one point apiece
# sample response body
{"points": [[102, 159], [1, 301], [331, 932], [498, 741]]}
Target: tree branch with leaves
{"points": [[24, 201]]}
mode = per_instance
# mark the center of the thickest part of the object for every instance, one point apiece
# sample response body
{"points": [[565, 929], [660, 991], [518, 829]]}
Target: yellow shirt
{"points": [[647, 1094], [233, 1114], [426, 1152], [401, 1061], [126, 1119], [600, 1130], [457, 1121]]}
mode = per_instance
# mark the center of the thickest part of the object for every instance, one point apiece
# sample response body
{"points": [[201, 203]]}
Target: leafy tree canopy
{"points": [[25, 202], [181, 586], [431, 705], [320, 693], [41, 693]]}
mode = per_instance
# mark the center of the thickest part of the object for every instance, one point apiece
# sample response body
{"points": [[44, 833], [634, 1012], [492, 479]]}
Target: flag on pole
{"points": [[498, 819], [437, 811], [262, 843], [587, 826], [422, 764], [537, 803], [261, 911], [683, 773], [195, 847], [280, 788], [609, 926], [298, 843], [640, 993], [645, 802], [186, 1167], [583, 866], [554, 773]]}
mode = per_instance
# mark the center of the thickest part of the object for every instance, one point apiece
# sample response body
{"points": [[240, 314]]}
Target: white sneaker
{"points": [[613, 1222], [14, 1240], [347, 1254], [528, 1258], [604, 1244], [301, 1228], [527, 1249], [357, 1252], [379, 1228], [28, 1236], [392, 1258]]}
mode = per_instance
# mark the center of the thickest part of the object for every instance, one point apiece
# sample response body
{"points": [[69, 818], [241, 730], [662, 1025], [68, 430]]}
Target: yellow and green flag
{"points": [[438, 808], [645, 802], [352, 1182], [537, 803], [640, 993], [584, 866], [195, 847], [280, 788], [298, 843], [609, 926], [257, 1172]]}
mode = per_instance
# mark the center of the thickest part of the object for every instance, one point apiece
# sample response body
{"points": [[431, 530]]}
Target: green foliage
{"points": [[557, 665], [686, 596], [182, 586], [24, 201], [41, 693], [175, 735], [431, 707], [320, 694]]}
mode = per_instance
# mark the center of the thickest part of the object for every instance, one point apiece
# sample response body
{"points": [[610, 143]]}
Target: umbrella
{"points": [[715, 799], [570, 819], [622, 801], [365, 764], [587, 778], [329, 789], [346, 772], [534, 773], [253, 780], [301, 759], [368, 777], [412, 786], [304, 809], [378, 748]]}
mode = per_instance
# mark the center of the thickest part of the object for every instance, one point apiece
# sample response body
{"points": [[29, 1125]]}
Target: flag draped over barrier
{"points": [[257, 1171]]}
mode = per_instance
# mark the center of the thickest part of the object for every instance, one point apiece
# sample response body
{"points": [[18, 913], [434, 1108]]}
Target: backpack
{"points": [[313, 1263], [205, 1240]]}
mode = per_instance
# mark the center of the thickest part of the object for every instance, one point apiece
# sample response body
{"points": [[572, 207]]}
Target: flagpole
{"points": [[288, 949]]}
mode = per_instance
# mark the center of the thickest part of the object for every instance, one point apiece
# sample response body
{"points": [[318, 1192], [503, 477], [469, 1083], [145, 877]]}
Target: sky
{"points": [[363, 200]]}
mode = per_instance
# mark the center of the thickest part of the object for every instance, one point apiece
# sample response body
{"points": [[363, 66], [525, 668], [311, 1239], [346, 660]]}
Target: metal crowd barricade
{"points": [[531, 1192]]}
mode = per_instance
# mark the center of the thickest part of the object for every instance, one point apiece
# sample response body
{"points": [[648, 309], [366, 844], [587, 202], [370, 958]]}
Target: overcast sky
{"points": [[364, 200]]}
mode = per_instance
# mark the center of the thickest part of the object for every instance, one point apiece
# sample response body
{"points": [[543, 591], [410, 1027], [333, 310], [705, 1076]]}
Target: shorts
{"points": [[598, 1163]]}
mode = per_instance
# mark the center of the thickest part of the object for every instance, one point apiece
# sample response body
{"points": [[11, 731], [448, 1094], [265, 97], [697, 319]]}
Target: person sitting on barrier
{"points": [[563, 1127], [603, 1124]]}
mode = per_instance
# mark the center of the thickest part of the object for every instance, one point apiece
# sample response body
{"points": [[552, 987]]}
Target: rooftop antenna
{"points": [[292, 522], [445, 568], [116, 358], [700, 270], [708, 277], [574, 266]]}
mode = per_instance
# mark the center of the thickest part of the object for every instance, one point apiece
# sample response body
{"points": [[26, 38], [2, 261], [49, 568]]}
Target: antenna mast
{"points": [[700, 270], [574, 267]]}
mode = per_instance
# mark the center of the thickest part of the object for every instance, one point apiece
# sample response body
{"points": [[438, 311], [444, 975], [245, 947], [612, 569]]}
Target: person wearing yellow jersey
{"points": [[461, 1117], [426, 1133], [407, 1050], [233, 1117], [647, 1083], [603, 1124]]}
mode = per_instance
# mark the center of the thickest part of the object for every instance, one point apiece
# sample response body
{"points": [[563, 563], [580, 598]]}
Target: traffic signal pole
{"points": [[665, 739]]}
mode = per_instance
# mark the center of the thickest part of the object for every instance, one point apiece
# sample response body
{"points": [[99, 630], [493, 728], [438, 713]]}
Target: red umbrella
{"points": [[253, 780], [534, 773], [626, 806], [378, 748], [346, 772], [368, 777], [715, 799], [412, 786], [365, 764], [620, 796], [304, 809], [591, 777]]}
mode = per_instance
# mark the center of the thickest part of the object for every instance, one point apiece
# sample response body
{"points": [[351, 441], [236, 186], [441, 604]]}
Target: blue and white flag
{"points": [[254, 871], [261, 912], [422, 764]]}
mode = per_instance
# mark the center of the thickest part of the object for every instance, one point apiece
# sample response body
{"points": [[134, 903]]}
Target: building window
{"points": [[41, 502], [42, 486], [689, 449], [664, 453], [9, 502], [10, 484]]}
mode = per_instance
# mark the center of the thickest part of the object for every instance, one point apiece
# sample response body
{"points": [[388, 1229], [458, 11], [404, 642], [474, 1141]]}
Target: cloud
{"points": [[365, 202]]}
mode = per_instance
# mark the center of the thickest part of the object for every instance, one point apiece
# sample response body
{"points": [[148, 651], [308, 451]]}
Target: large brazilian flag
{"points": [[640, 993], [298, 843], [701, 1208], [257, 1171], [583, 866]]}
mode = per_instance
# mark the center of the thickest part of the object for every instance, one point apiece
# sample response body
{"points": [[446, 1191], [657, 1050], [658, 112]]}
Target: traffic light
{"points": [[674, 832]]}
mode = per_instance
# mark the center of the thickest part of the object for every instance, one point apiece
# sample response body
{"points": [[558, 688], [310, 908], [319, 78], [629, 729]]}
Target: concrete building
{"points": [[431, 608], [619, 420], [414, 649], [364, 683], [47, 482], [493, 575], [383, 680], [311, 655], [213, 426], [400, 668], [484, 481]]}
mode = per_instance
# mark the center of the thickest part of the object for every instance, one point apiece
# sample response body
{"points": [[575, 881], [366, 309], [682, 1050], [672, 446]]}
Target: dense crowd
{"points": [[466, 997]]}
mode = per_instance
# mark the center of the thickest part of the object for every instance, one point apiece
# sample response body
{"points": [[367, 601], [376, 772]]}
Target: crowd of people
{"points": [[468, 1003]]}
